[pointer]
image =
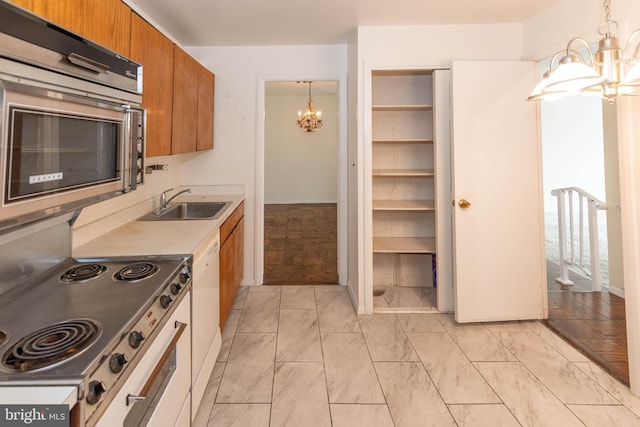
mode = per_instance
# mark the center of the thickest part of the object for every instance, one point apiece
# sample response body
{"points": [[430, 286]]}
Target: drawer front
{"points": [[231, 222]]}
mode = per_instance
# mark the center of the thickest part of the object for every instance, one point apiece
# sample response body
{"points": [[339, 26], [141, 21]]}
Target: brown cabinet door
{"points": [[238, 264], [227, 295], [154, 51], [206, 90], [185, 102], [27, 4], [113, 29], [106, 22], [231, 261]]}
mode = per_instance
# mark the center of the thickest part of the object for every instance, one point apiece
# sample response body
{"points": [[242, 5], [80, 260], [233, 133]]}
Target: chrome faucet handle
{"points": [[163, 198], [166, 204]]}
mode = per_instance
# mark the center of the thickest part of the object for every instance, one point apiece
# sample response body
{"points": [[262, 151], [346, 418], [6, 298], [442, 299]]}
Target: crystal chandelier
{"points": [[310, 121], [611, 71]]}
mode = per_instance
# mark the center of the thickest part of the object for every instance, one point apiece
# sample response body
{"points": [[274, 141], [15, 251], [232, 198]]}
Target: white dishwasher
{"points": [[205, 316]]}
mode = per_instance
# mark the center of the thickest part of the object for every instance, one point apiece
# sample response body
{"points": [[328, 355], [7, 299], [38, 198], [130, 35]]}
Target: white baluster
{"points": [[562, 231]]}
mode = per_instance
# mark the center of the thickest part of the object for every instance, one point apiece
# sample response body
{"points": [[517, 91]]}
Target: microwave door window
{"points": [[58, 152]]}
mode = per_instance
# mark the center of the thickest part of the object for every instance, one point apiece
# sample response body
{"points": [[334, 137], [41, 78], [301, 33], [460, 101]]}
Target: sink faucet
{"points": [[163, 197]]}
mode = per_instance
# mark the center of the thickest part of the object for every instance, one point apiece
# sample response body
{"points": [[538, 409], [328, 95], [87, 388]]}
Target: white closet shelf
{"points": [[402, 172], [402, 107], [402, 141], [404, 245], [403, 205]]}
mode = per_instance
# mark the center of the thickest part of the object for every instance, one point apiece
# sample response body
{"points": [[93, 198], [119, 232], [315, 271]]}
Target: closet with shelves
{"points": [[404, 182]]}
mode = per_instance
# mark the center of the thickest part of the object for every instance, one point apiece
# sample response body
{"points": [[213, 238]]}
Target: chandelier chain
{"points": [[609, 26]]}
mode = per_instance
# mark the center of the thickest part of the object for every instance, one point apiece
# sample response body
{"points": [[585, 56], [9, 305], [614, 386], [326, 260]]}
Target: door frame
{"points": [[629, 158], [342, 232], [365, 249]]}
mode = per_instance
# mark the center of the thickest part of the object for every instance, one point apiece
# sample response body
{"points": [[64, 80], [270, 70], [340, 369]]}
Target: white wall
{"points": [[550, 31], [238, 71], [354, 178], [572, 146], [300, 167]]}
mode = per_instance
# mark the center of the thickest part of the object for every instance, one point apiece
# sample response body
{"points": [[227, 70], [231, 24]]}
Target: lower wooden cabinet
{"points": [[231, 261]]}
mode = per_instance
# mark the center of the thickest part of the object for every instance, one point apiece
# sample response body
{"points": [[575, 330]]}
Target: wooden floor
{"points": [[300, 244], [593, 322]]}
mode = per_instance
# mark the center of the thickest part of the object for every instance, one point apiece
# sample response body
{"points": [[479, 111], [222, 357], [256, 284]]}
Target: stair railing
{"points": [[568, 254]]}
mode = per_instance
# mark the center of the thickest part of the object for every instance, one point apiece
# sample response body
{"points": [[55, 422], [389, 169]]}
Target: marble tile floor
{"points": [[300, 356], [404, 298]]}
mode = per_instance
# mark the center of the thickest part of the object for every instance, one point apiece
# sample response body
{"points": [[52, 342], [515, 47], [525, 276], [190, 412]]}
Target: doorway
{"points": [[300, 238], [580, 153]]}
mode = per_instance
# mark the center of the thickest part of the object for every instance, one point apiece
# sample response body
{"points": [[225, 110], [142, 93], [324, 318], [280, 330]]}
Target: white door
{"points": [[498, 228]]}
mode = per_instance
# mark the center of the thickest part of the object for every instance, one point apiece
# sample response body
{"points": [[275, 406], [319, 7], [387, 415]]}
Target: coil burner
{"points": [[83, 273], [51, 345], [137, 271]]}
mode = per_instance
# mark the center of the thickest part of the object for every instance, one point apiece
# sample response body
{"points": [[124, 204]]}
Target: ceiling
{"points": [[288, 22]]}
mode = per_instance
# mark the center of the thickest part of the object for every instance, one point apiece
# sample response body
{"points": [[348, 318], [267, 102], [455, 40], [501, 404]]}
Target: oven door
{"points": [[157, 393], [61, 148]]}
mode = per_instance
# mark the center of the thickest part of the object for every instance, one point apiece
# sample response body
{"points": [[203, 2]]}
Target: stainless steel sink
{"points": [[188, 211]]}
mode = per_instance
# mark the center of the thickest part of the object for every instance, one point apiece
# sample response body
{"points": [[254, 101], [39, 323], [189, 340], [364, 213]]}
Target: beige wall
{"points": [[300, 167], [550, 31]]}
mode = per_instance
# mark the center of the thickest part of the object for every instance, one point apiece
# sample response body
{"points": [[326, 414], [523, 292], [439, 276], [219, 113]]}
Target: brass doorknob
{"points": [[464, 204]]}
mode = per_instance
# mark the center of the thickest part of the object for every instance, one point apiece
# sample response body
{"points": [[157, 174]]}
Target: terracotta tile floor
{"points": [[593, 322], [300, 242]]}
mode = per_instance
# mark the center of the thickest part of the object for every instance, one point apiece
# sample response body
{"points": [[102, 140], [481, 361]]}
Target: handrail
{"points": [[593, 204]]}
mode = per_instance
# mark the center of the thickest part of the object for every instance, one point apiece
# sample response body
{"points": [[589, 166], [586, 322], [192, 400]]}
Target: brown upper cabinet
{"points": [[206, 91], [193, 92], [106, 22], [154, 51], [185, 102], [178, 92]]}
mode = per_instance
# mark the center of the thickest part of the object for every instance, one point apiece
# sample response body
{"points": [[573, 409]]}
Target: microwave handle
{"points": [[87, 63], [136, 118]]}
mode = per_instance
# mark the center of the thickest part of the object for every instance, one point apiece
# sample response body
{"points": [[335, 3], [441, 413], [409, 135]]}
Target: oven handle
{"points": [[133, 398]]}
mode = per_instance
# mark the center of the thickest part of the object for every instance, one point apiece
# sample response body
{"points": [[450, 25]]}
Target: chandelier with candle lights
{"points": [[310, 121]]}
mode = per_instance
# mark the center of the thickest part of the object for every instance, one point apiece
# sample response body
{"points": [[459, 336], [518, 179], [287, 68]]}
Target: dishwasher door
{"points": [[206, 338]]}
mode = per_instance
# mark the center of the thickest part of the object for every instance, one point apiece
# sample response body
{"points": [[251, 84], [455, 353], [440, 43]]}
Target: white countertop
{"points": [[159, 237]]}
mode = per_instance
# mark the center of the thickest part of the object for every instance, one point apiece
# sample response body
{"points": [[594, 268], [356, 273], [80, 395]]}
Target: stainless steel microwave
{"points": [[71, 125]]}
